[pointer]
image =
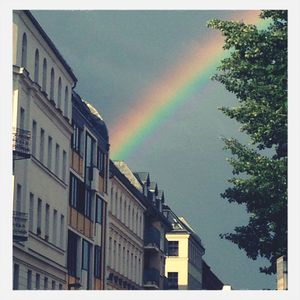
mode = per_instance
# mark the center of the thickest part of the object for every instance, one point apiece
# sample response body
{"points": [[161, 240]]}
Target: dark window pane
{"points": [[173, 248], [72, 253], [97, 261], [85, 255], [173, 280], [99, 210]]}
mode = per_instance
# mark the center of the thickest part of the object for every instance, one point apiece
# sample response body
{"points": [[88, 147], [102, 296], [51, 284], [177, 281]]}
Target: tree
{"points": [[256, 72]]}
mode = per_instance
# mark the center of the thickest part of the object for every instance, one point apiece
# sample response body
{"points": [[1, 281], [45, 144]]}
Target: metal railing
{"points": [[151, 277], [21, 142], [152, 237]]}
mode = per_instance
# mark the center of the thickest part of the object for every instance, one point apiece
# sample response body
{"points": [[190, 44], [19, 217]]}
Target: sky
{"points": [[122, 60]]}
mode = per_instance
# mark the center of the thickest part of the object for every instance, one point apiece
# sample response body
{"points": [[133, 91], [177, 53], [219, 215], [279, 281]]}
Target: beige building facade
{"points": [[42, 86], [184, 261], [125, 250]]}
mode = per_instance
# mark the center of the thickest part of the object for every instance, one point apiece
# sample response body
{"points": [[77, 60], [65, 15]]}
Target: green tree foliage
{"points": [[256, 72]]}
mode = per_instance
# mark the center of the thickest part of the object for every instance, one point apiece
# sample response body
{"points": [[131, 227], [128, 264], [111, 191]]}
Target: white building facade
{"points": [[42, 88]]}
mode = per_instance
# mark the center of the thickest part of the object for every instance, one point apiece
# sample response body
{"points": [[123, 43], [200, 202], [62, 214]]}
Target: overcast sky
{"points": [[116, 56]]}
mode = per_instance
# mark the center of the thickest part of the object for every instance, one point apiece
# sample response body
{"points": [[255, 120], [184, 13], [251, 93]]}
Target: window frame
{"points": [[86, 246], [172, 249], [172, 279]]}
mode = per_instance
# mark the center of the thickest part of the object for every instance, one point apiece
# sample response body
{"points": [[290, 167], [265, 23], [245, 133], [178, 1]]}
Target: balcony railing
{"points": [[151, 278], [20, 226], [21, 143], [152, 237]]}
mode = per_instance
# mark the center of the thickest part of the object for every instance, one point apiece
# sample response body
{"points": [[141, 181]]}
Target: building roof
{"points": [[180, 225], [50, 44], [124, 169], [92, 109], [92, 115], [143, 177]]}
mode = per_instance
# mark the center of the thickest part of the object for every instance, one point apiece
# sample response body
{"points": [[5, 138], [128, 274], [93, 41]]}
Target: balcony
{"points": [[152, 239], [151, 279], [21, 143], [165, 282], [20, 230]]}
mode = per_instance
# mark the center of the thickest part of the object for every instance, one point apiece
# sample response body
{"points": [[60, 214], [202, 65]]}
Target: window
{"points": [[99, 210], [120, 209], [19, 197], [125, 206], [52, 84], [89, 159], [29, 280], [24, 51], [44, 82], [131, 267], [73, 198], [141, 227], [119, 258], [109, 252], [62, 231], [76, 138], [136, 223], [128, 216], [97, 262], [54, 233], [39, 217], [173, 248], [42, 145], [173, 280], [72, 253], [123, 261], [53, 285], [132, 220], [60, 286], [36, 66], [33, 140], [22, 118], [16, 277], [111, 199], [31, 210], [57, 160], [66, 101], [114, 264], [45, 283], [47, 222], [88, 203], [59, 93], [64, 165], [76, 198], [100, 161], [116, 204], [85, 255], [139, 272], [49, 162], [37, 281]]}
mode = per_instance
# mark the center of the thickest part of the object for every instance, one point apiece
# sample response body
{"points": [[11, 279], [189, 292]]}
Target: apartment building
{"points": [[125, 252], [156, 227], [87, 212], [42, 88], [184, 268]]}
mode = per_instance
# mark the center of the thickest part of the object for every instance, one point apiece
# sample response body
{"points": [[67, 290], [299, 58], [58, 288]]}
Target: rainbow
{"points": [[171, 91]]}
